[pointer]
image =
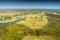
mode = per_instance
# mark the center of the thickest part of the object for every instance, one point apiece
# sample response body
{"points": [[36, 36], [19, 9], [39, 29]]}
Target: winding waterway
{"points": [[11, 22]]}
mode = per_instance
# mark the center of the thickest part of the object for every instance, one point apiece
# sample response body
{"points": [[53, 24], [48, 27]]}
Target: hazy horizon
{"points": [[29, 5]]}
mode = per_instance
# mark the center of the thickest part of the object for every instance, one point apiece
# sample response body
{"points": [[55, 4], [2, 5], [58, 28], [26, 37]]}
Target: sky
{"points": [[29, 5]]}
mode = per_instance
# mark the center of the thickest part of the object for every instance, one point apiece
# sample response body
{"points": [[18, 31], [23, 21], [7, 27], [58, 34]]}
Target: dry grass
{"points": [[35, 21], [39, 38]]}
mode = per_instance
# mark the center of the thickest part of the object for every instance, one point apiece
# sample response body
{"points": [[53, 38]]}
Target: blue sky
{"points": [[29, 5]]}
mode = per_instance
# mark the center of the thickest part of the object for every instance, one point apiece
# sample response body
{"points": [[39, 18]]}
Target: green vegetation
{"points": [[14, 32], [51, 31]]}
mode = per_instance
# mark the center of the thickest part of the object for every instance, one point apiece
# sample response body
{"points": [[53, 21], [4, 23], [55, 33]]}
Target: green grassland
{"points": [[51, 31]]}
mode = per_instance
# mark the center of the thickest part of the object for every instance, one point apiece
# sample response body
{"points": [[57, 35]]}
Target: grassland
{"points": [[38, 25]]}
